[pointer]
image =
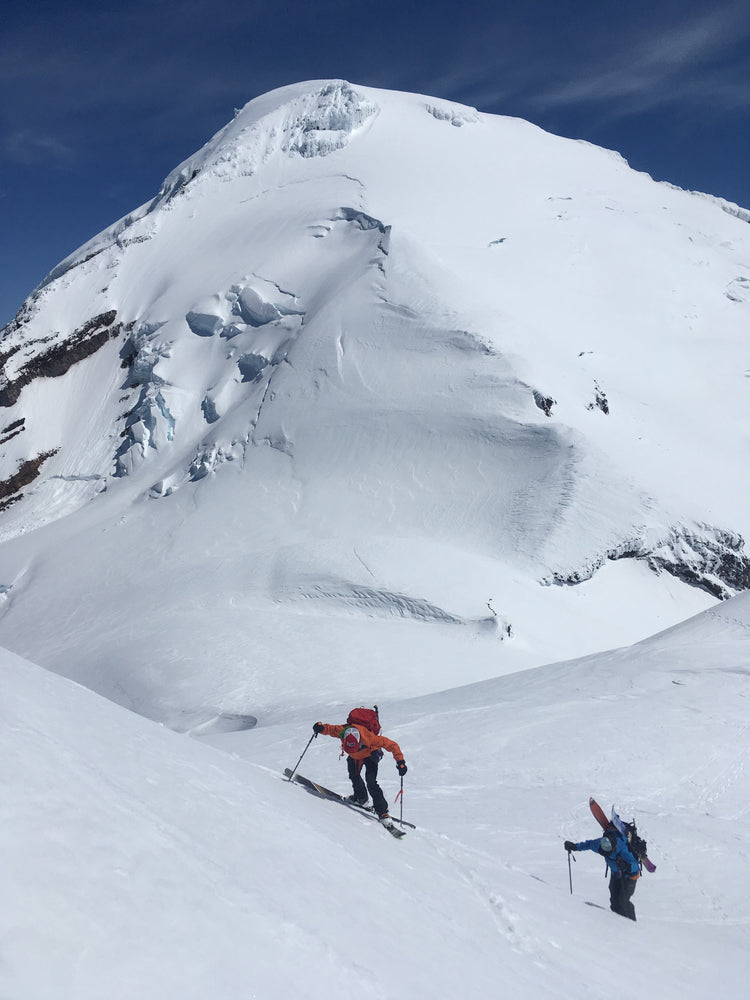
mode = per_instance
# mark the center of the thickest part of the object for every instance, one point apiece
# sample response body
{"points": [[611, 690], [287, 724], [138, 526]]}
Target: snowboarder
{"points": [[623, 865], [364, 748]]}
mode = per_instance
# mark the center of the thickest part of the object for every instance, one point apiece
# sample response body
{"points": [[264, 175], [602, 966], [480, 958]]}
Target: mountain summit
{"points": [[376, 355]]}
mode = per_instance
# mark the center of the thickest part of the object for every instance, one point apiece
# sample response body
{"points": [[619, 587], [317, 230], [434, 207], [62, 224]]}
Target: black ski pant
{"points": [[370, 766], [621, 890]]}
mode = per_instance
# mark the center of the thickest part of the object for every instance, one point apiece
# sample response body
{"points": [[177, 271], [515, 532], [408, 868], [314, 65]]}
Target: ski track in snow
{"points": [[461, 857]]}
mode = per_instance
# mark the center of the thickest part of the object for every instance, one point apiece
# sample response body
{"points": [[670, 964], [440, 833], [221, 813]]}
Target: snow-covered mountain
{"points": [[374, 364], [379, 399]]}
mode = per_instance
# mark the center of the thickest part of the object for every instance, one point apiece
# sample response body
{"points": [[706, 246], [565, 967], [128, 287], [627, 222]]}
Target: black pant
{"points": [[620, 891], [371, 780]]}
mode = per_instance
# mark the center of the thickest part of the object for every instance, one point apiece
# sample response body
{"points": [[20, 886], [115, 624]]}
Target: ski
{"points": [[391, 827], [599, 815], [615, 823], [327, 793]]}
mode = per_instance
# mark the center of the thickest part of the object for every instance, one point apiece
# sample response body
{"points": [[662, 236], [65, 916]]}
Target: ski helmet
{"points": [[350, 739]]}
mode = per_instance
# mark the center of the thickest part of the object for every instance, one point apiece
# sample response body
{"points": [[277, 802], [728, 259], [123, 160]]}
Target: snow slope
{"points": [[141, 862], [373, 377]]}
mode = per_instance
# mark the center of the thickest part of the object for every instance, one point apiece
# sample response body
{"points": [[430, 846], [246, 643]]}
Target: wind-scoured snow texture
{"points": [[347, 341], [341, 596]]}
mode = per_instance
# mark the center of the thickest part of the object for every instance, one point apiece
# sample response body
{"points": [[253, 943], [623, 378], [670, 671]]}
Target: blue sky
{"points": [[100, 100]]}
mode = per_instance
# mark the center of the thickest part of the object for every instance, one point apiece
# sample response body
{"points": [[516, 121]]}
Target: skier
{"points": [[623, 865], [364, 747]]}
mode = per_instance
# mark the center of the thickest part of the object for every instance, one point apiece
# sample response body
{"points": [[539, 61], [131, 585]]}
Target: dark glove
{"points": [[318, 728], [570, 846], [401, 767]]}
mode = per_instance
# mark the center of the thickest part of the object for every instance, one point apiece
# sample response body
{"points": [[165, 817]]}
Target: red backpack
{"points": [[367, 717]]}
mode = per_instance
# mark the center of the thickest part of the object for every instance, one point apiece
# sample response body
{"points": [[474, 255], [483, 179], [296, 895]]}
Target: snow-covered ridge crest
{"points": [[730, 207], [304, 120], [304, 123]]}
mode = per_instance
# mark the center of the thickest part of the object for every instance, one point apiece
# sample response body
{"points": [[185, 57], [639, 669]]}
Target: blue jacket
{"points": [[619, 859]]}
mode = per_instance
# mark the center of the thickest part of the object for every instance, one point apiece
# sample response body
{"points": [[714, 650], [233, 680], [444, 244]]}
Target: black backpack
{"points": [[636, 845]]}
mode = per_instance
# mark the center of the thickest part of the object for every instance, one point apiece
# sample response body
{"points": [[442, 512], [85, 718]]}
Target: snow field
{"points": [[160, 865]]}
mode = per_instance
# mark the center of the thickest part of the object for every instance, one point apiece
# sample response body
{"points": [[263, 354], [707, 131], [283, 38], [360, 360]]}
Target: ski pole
{"points": [[401, 804], [570, 873], [302, 755]]}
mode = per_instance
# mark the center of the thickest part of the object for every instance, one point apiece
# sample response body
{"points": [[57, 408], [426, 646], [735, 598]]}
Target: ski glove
{"points": [[318, 728], [401, 767], [570, 846]]}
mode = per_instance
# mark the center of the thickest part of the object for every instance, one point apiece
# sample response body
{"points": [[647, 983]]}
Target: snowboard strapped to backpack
{"points": [[636, 845], [367, 717]]}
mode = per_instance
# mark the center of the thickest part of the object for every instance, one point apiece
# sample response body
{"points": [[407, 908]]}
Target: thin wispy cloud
{"points": [[29, 148], [693, 62], [641, 59]]}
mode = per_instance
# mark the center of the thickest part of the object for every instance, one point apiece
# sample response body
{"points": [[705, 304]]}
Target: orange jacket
{"points": [[370, 742]]}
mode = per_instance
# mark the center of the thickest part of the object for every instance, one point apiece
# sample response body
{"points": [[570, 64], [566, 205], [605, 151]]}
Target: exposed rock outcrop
{"points": [[59, 357], [10, 489], [706, 557]]}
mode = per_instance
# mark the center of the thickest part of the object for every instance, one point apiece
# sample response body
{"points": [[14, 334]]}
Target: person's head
{"points": [[351, 740], [607, 843]]}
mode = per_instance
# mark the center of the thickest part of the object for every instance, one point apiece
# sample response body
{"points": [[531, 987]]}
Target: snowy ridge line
{"points": [[106, 240], [730, 207], [720, 617]]}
